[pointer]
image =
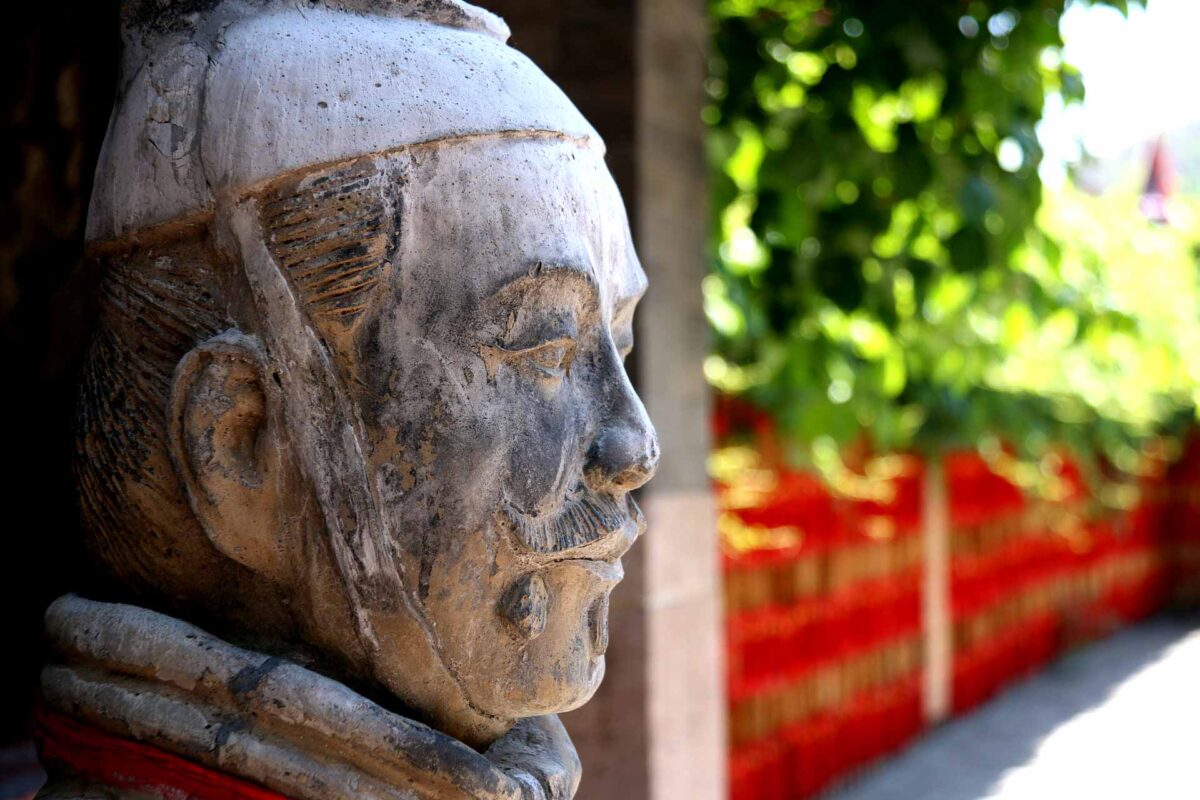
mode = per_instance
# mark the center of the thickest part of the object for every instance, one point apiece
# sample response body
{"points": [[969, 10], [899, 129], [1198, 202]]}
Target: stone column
{"points": [[936, 622], [685, 668], [656, 728]]}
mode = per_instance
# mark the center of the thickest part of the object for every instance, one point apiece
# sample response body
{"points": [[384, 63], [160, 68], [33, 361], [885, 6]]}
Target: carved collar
{"points": [[139, 675]]}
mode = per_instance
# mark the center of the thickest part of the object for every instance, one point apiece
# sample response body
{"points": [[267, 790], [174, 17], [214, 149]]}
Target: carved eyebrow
{"points": [[631, 294], [626, 303], [540, 273]]}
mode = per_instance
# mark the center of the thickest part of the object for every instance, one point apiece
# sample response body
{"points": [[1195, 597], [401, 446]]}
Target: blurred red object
{"points": [[823, 598]]}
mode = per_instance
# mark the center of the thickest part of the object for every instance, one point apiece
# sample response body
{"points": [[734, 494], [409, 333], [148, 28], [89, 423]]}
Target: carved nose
{"points": [[623, 458]]}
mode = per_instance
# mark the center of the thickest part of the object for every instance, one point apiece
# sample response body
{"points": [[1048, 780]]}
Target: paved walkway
{"points": [[1119, 719]]}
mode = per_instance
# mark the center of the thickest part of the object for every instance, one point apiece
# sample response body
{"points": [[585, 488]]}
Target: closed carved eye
{"points": [[552, 359]]}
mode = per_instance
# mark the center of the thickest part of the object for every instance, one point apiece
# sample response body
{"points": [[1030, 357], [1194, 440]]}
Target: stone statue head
{"points": [[357, 394]]}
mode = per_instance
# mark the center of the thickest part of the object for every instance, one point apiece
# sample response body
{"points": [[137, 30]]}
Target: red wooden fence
{"points": [[823, 601]]}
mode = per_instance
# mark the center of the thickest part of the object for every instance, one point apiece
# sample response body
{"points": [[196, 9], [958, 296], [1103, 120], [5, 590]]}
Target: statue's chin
{"points": [[597, 675], [532, 645], [559, 697]]}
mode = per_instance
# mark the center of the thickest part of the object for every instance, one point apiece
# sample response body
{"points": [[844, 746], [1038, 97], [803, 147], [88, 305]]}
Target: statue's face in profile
{"points": [[386, 317], [501, 432]]}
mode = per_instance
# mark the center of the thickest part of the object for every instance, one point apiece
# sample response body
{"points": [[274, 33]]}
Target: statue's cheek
{"points": [[542, 436]]}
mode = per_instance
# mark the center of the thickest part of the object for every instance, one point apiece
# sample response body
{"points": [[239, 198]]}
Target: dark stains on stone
{"points": [[249, 678], [224, 731], [426, 569]]}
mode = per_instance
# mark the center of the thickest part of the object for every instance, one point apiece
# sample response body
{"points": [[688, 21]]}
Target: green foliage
{"points": [[879, 262], [1116, 360]]}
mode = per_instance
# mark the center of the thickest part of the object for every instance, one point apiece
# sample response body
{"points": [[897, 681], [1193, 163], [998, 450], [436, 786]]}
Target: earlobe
{"points": [[224, 432]]}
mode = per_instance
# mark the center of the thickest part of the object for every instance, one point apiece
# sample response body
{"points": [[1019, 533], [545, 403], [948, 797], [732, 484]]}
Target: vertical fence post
{"points": [[935, 591]]}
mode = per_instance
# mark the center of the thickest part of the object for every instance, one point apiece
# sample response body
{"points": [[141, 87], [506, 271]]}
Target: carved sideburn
{"points": [[356, 443], [334, 234]]}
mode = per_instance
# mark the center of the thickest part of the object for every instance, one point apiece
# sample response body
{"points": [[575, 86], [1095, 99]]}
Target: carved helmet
{"points": [[189, 127]]}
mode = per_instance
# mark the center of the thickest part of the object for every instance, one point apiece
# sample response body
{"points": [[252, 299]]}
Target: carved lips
{"points": [[598, 625], [588, 531]]}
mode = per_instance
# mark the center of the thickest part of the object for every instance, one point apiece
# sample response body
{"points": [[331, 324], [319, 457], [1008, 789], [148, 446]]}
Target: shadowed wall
{"points": [[59, 65]]}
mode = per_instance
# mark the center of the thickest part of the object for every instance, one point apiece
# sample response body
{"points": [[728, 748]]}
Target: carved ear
{"points": [[225, 432]]}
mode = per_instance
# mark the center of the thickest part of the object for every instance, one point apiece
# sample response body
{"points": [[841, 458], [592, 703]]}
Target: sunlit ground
{"points": [[1115, 720]]}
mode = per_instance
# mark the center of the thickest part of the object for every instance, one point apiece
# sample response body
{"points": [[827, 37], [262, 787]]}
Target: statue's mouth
{"points": [[598, 625], [585, 525]]}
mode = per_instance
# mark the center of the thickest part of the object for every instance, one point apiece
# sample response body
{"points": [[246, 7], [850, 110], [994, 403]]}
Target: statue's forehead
{"points": [[515, 184], [499, 210], [360, 84]]}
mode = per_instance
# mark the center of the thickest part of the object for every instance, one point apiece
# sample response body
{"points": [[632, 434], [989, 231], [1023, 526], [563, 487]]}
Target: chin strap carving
{"points": [[325, 437]]}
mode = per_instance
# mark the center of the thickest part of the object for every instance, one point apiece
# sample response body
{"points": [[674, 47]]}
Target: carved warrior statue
{"points": [[356, 442]]}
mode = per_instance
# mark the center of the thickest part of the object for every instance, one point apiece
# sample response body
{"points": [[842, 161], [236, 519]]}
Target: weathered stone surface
{"points": [[357, 397], [149, 677]]}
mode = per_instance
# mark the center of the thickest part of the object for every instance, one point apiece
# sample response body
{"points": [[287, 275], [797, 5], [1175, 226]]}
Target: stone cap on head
{"points": [[219, 97]]}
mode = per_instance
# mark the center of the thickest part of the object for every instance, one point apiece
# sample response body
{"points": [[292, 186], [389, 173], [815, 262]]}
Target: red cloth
{"points": [[100, 757]]}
